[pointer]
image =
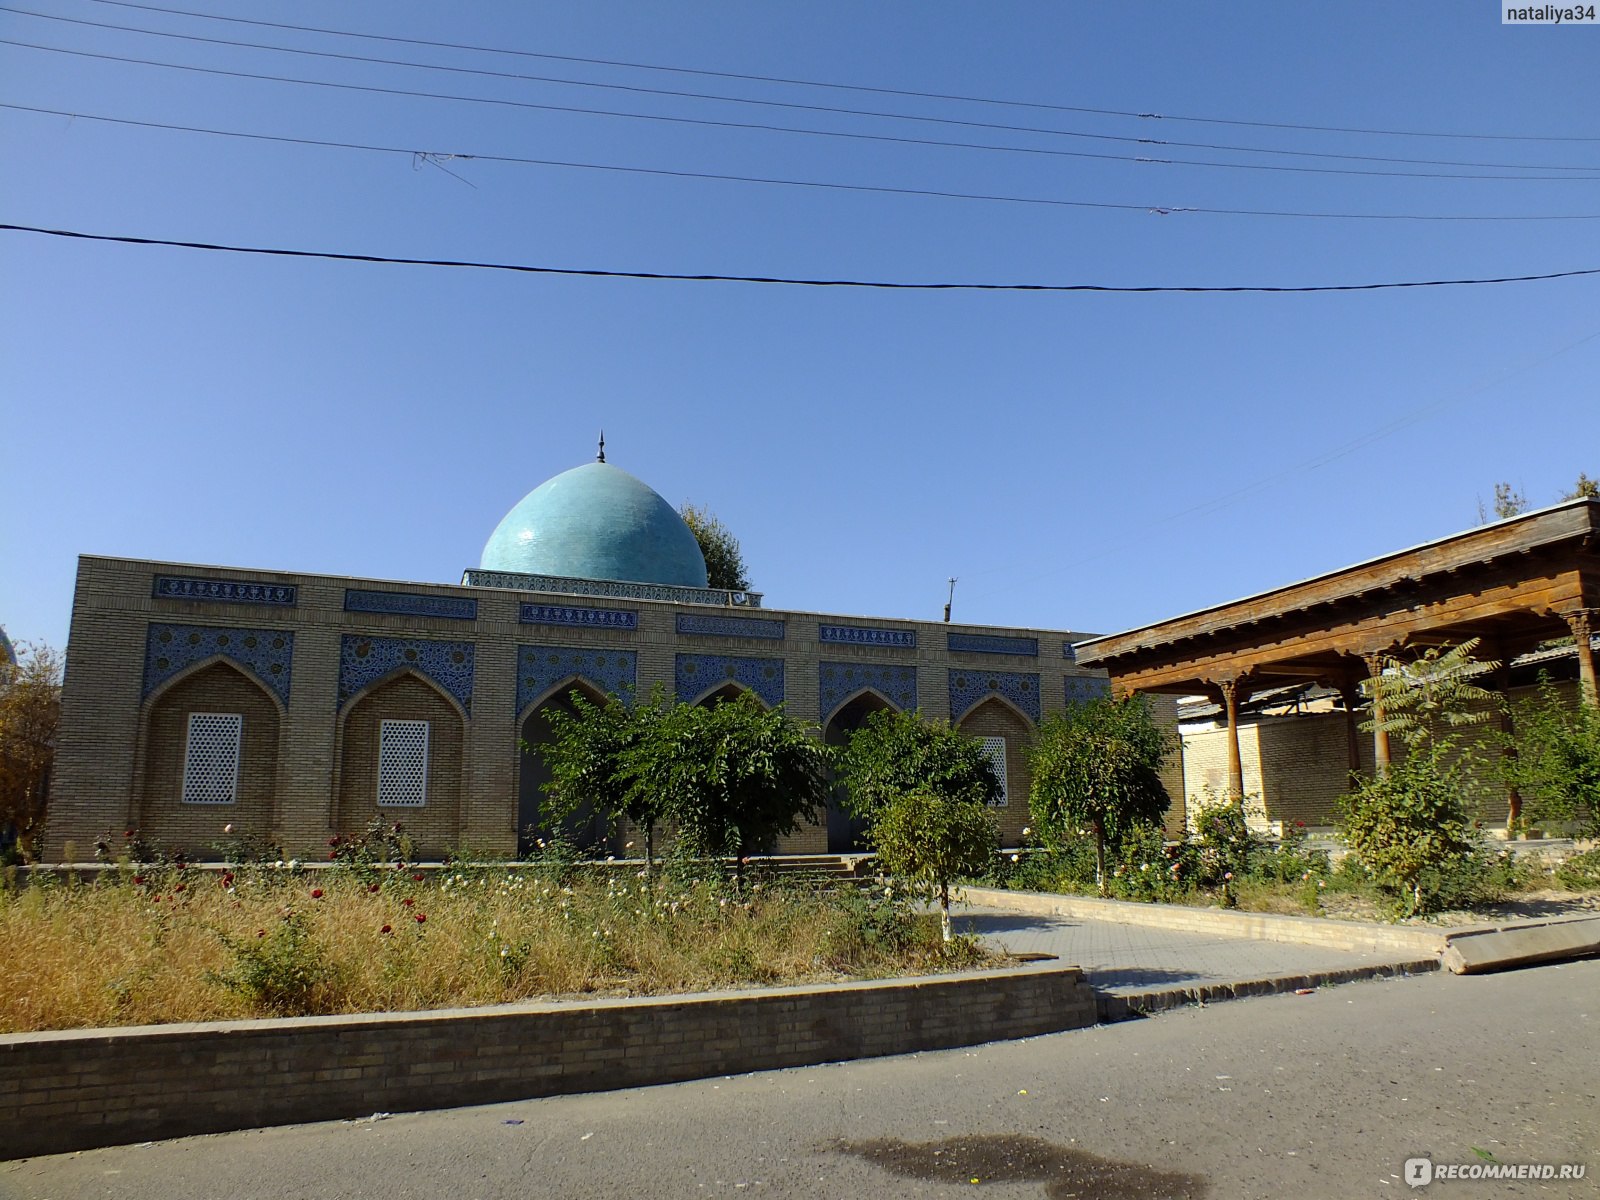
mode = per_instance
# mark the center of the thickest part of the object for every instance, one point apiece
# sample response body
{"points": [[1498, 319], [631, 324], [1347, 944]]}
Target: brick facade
{"points": [[462, 661]]}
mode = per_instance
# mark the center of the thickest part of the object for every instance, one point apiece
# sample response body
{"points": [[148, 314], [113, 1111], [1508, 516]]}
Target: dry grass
{"points": [[194, 945]]}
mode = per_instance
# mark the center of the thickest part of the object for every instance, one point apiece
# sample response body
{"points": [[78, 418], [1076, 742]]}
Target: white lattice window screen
{"points": [[994, 749], [402, 764], [211, 758]]}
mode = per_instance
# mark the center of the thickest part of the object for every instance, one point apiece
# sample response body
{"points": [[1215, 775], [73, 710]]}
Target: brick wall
{"points": [[195, 828], [79, 1089], [993, 718], [436, 826]]}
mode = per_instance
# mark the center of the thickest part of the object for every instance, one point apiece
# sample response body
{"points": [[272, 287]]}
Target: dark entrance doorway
{"points": [[584, 829], [846, 833]]}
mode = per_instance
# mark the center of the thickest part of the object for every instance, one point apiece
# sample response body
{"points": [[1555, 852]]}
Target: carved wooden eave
{"points": [[1514, 583]]}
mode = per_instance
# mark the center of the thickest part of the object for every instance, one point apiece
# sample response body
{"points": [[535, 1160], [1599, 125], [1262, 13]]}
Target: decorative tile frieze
{"points": [[838, 681], [696, 674], [410, 604], [968, 689], [867, 635], [225, 591], [364, 660], [577, 615], [267, 654], [990, 643], [1086, 687], [609, 672], [749, 627], [614, 588]]}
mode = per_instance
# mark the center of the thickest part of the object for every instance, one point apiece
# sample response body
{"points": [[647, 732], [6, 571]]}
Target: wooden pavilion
{"points": [[1514, 584]]}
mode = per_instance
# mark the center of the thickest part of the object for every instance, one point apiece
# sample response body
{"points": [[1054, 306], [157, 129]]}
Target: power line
{"points": [[765, 128], [798, 281], [852, 87], [835, 110], [822, 185]]}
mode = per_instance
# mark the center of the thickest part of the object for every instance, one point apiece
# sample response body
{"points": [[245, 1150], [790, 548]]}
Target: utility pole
{"points": [[951, 600]]}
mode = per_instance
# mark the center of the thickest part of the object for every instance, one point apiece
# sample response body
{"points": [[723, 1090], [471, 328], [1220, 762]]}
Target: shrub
{"points": [[283, 972], [927, 841], [1151, 870], [1409, 827], [1581, 872]]}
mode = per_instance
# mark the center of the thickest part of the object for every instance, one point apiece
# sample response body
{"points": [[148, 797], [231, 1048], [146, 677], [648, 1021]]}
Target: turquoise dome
{"points": [[596, 522]]}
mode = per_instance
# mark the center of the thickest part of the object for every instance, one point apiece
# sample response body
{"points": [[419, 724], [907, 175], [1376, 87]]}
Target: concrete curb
{"points": [[1357, 937], [1123, 1006], [1471, 952]]}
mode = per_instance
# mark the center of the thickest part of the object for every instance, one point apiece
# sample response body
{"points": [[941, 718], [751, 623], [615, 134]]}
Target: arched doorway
{"points": [[847, 833], [585, 829]]}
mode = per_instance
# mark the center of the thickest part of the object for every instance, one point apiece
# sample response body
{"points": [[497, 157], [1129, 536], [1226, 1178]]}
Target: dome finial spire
{"points": [[601, 457]]}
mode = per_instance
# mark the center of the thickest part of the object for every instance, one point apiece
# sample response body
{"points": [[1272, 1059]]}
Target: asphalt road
{"points": [[1325, 1095]]}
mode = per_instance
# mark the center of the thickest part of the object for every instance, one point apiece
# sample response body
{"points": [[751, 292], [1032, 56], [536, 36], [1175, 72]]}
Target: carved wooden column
{"points": [[1380, 736], [1351, 695], [1230, 705], [1502, 684], [1582, 623]]}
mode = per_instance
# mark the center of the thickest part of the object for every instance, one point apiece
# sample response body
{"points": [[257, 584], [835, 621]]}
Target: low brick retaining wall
{"points": [[1358, 937], [78, 1089]]}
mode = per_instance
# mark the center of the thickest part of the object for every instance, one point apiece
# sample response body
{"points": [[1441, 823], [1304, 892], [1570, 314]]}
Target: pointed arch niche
{"points": [[584, 828], [997, 717], [403, 695], [214, 685]]}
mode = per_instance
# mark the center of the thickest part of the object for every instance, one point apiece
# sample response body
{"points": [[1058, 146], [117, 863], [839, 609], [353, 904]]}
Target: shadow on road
{"points": [[984, 924]]}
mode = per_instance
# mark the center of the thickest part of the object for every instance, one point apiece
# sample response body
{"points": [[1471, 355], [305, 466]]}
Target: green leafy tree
{"points": [[1556, 767], [733, 778], [894, 753], [1409, 826], [30, 713], [724, 562], [1096, 768], [585, 756], [1584, 489], [1421, 699], [929, 841], [1508, 502]]}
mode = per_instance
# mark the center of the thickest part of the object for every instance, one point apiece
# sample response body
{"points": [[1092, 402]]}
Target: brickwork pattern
{"points": [[99, 778], [994, 719], [72, 1091], [436, 826], [194, 828]]}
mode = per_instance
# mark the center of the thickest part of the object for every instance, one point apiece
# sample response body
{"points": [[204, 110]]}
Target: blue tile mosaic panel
{"points": [[1086, 687], [268, 654], [364, 660], [1068, 653], [697, 674], [837, 682], [228, 591], [578, 615], [410, 604], [866, 635], [615, 589], [539, 668], [990, 643], [968, 689], [750, 627]]}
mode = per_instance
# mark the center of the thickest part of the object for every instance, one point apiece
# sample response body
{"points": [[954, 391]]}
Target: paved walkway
{"points": [[1136, 959]]}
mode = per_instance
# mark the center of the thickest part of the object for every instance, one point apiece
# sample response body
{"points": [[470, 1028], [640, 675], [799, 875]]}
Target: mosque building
{"points": [[292, 707]]}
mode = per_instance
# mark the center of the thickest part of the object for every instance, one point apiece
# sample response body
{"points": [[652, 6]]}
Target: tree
{"points": [[1409, 826], [1422, 697], [929, 841], [1584, 489], [1096, 767], [30, 712], [585, 758], [1556, 766], [731, 778], [895, 753], [724, 563]]}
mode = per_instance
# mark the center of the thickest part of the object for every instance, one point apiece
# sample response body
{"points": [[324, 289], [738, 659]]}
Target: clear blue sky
{"points": [[1080, 461]]}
